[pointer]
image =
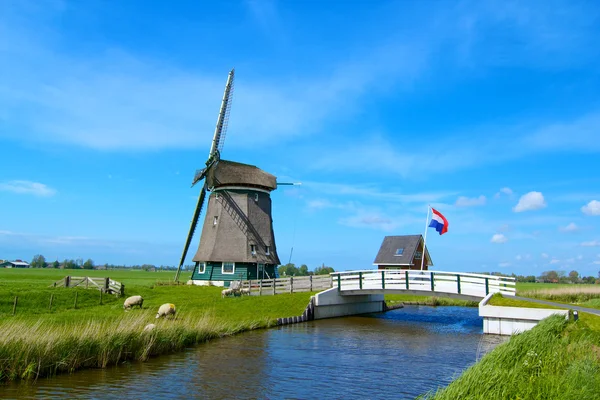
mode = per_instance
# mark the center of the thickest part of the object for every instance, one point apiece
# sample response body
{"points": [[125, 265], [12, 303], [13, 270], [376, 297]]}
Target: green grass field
{"points": [[39, 341]]}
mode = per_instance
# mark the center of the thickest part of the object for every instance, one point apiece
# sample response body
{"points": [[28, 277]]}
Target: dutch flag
{"points": [[438, 221]]}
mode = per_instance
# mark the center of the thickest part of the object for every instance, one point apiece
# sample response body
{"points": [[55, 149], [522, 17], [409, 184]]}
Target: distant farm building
{"points": [[402, 252], [14, 264]]}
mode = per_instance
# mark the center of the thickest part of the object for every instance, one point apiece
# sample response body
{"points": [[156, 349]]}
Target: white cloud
{"points": [[554, 261], [518, 257], [463, 201], [499, 238], [545, 255], [366, 219], [592, 243], [530, 201], [592, 208], [504, 264], [28, 187], [572, 227], [505, 190], [596, 262], [580, 257]]}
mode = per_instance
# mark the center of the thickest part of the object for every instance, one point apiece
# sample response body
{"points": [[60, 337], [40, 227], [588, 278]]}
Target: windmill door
{"points": [[260, 271]]}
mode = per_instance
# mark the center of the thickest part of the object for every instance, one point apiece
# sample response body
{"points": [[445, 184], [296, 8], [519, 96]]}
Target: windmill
{"points": [[237, 240]]}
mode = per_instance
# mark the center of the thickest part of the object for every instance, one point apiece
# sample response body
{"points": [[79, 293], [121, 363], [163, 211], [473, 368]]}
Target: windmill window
{"points": [[256, 197], [399, 251], [228, 268], [201, 268], [215, 220], [268, 250], [253, 249], [418, 254]]}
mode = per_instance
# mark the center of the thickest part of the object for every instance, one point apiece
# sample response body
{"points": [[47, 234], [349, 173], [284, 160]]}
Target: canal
{"points": [[399, 354]]}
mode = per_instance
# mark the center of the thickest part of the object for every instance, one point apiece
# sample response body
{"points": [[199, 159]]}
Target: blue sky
{"points": [[488, 111]]}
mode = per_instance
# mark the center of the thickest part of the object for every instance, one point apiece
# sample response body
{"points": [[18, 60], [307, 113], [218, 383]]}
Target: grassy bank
{"points": [[41, 341], [555, 360], [394, 299]]}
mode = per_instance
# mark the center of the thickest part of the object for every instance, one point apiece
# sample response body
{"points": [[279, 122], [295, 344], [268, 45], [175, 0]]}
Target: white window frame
{"points": [[223, 268], [253, 249], [201, 267], [256, 197], [215, 220], [268, 250], [401, 254]]}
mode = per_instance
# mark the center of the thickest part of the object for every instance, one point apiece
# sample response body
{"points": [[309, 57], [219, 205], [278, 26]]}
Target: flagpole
{"points": [[425, 237]]}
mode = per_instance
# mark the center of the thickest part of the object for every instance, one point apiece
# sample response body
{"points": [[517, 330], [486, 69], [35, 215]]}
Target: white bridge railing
{"points": [[461, 283]]}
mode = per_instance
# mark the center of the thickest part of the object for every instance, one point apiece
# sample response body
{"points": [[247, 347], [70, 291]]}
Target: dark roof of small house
{"points": [[231, 173], [387, 251]]}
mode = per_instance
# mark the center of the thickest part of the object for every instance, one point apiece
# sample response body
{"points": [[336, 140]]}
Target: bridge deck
{"points": [[427, 283]]}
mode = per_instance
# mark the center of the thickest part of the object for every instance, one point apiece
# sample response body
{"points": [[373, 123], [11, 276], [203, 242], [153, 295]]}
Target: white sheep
{"points": [[226, 292], [165, 310], [149, 327], [133, 301], [245, 291]]}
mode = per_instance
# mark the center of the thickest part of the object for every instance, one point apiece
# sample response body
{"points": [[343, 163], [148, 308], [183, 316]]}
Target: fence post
{"points": [[339, 283], [487, 286], [15, 305], [51, 297], [406, 278], [291, 284], [383, 279], [76, 293], [310, 281], [87, 281], [101, 296], [260, 287], [67, 281], [274, 287], [122, 293], [458, 283], [106, 283], [432, 285]]}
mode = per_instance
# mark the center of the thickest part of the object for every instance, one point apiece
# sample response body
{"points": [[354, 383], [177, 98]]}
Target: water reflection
{"points": [[400, 354]]}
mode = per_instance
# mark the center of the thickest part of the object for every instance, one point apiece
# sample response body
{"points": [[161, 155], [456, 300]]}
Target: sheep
{"points": [[133, 301], [245, 291], [226, 292], [149, 327], [165, 310]]}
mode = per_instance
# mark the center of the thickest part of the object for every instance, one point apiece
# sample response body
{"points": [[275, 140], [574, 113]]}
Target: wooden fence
{"points": [[105, 285], [293, 284]]}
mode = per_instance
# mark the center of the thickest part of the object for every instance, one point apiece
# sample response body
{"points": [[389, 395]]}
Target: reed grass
{"points": [[555, 360], [571, 294], [392, 299]]}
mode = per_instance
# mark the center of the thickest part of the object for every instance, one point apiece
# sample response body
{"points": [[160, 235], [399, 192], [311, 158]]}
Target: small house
{"points": [[403, 252], [14, 264]]}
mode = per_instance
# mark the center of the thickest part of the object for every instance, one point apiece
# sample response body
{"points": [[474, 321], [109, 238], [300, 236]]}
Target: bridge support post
{"points": [[406, 278], [458, 283], [487, 286], [432, 284], [339, 283], [360, 280], [383, 279]]}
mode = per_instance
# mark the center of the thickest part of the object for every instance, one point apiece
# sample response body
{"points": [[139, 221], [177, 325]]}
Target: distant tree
{"points": [[70, 264], [288, 269], [323, 270], [55, 264], [574, 276], [303, 270], [39, 261], [589, 279], [89, 264], [549, 277]]}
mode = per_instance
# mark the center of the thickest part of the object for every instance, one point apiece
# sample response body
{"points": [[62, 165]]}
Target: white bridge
{"points": [[458, 285]]}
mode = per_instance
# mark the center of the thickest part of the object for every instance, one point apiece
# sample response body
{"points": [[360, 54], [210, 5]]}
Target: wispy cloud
{"points": [[27, 187], [374, 220], [572, 227], [591, 243], [463, 201], [499, 238]]}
